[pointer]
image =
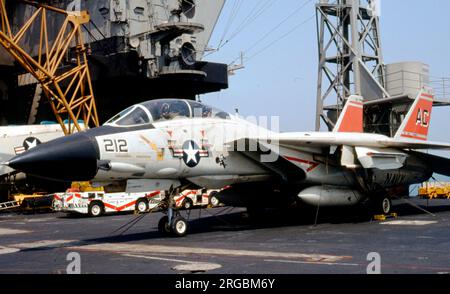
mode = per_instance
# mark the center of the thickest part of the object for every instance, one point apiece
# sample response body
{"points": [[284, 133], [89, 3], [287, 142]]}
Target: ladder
{"points": [[9, 205]]}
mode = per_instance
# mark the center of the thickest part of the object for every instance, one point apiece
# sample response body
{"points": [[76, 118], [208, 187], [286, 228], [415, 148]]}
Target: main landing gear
{"points": [[381, 205], [173, 223]]}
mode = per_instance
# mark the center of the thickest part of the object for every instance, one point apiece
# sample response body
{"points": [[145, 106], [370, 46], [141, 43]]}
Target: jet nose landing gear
{"points": [[177, 227], [173, 224]]}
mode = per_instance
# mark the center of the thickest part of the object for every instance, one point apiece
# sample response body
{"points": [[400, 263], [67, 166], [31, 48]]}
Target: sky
{"points": [[280, 75]]}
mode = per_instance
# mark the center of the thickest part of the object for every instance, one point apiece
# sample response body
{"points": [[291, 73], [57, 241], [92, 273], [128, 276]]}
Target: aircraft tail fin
{"points": [[351, 118], [417, 122]]}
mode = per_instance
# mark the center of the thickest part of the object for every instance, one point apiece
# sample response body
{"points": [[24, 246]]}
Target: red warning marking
{"points": [[120, 208], [312, 164]]}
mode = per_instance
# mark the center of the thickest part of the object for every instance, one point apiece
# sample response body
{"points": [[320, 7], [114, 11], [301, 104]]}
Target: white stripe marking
{"points": [[185, 266], [311, 262], [356, 105], [415, 135], [196, 267], [43, 243], [158, 258], [12, 232], [427, 98], [33, 245], [134, 248], [409, 223], [8, 250], [40, 220]]}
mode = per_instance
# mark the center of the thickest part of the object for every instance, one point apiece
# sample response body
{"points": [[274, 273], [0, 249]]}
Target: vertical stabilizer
{"points": [[417, 122], [351, 118]]}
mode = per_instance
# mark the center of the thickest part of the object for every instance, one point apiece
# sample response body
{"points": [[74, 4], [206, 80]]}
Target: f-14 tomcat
{"points": [[174, 144]]}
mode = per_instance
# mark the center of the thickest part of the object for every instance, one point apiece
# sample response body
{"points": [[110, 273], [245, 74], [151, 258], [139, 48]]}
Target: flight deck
{"points": [[226, 241]]}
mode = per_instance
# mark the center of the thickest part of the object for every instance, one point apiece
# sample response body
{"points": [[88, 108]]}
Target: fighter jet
{"points": [[173, 144], [16, 140]]}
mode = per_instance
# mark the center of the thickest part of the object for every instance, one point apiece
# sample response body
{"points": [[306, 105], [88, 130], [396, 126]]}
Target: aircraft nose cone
{"points": [[71, 158]]}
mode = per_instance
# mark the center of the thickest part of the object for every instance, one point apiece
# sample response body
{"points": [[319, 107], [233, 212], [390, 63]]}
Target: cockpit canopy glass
{"points": [[163, 110]]}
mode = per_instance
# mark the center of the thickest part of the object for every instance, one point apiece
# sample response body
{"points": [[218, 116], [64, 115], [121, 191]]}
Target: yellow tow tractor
{"points": [[84, 187], [33, 202], [28, 202], [435, 190], [42, 201]]}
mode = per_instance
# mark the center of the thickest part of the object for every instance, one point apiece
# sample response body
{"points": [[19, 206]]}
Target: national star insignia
{"points": [[30, 143], [192, 154]]}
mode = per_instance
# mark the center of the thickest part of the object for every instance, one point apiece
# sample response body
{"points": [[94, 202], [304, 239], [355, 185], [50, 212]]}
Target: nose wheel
{"points": [[173, 224], [178, 227], [164, 226]]}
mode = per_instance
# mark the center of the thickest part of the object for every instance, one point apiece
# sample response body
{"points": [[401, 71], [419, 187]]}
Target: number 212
{"points": [[116, 145]]}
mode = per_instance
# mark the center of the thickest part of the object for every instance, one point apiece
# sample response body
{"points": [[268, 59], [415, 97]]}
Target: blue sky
{"points": [[282, 80]]}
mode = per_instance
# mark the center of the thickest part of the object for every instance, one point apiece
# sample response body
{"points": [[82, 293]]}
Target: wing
{"points": [[371, 150], [415, 144], [305, 140], [280, 166]]}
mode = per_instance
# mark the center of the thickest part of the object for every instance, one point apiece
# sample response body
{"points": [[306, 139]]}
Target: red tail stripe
{"points": [[418, 123], [352, 122]]}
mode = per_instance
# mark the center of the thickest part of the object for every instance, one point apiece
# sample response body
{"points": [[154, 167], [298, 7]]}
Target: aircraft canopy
{"points": [[163, 110]]}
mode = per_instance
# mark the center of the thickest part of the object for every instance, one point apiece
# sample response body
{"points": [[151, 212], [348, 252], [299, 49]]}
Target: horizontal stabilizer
{"points": [[437, 164]]}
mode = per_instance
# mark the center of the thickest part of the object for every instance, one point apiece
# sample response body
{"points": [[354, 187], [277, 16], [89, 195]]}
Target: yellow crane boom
{"points": [[70, 92]]}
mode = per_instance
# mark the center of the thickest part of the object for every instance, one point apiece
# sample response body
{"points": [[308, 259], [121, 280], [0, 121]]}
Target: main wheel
{"points": [[213, 200], [142, 206], [95, 209], [179, 226], [382, 205], [163, 226]]}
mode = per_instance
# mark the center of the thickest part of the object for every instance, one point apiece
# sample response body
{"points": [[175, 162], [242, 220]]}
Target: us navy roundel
{"points": [[191, 154], [31, 142]]}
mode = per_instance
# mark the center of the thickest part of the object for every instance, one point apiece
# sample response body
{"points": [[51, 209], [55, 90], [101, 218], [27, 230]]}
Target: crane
{"points": [[69, 91]]}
